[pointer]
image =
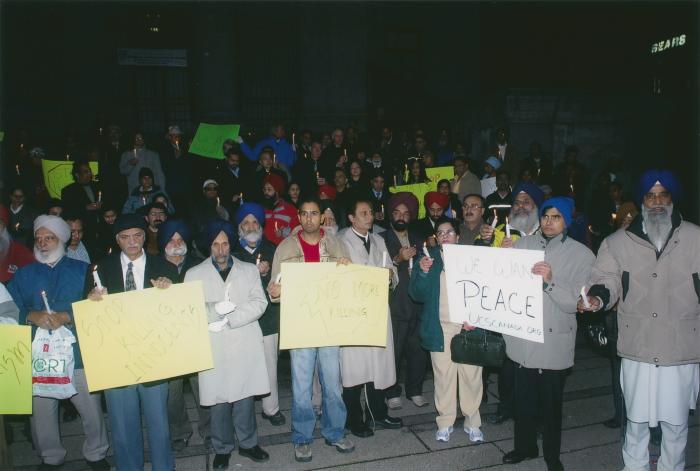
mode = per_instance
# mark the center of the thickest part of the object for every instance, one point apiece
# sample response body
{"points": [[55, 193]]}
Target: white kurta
{"points": [[663, 393], [359, 365], [237, 350]]}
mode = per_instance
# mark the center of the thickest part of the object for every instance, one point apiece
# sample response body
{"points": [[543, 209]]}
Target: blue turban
{"points": [[563, 204], [665, 177], [494, 161], [532, 190], [250, 208], [216, 226], [167, 230]]}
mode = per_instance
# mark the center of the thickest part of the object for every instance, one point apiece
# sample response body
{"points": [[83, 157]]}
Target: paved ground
{"points": [[586, 444]]}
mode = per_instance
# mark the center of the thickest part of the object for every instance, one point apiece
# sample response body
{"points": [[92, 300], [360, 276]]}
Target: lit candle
{"points": [[384, 258], [276, 229], [257, 261], [46, 302], [584, 298], [425, 249], [100, 131], [495, 219], [382, 208], [218, 202], [109, 251], [345, 152], [143, 200], [394, 180], [96, 278], [67, 156], [177, 145], [17, 227], [410, 264], [241, 198], [507, 228], [614, 217], [21, 146], [317, 175], [135, 156], [99, 196], [293, 142], [17, 169], [274, 158], [572, 188]]}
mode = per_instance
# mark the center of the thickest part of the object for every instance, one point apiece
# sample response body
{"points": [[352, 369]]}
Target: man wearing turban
{"points": [[435, 205], [235, 300], [62, 280], [650, 270], [280, 216]]}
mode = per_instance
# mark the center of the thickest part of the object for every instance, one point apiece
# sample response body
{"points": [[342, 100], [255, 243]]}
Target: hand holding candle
{"points": [[96, 278], [495, 219], [425, 249], [46, 302], [584, 298], [507, 228]]}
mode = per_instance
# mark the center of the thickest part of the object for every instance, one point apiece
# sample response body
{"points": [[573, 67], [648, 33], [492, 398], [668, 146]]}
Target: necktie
{"points": [[130, 283]]}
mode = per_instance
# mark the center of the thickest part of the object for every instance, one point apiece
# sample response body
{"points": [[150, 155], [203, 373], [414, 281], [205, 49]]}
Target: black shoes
{"points": [[361, 430], [48, 467], [256, 454], [388, 423], [101, 465], [181, 443], [515, 457], [221, 461], [275, 419], [555, 466], [497, 418]]}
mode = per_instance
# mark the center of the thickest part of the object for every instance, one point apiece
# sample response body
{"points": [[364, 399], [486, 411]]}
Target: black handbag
{"points": [[478, 347]]}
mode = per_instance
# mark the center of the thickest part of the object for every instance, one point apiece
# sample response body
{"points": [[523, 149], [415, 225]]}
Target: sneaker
{"points": [[443, 434], [394, 403], [475, 434], [419, 401], [302, 452], [344, 445]]}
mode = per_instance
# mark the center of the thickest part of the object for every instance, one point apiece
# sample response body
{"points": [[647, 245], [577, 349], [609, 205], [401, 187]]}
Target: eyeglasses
{"points": [[472, 206], [660, 196], [446, 233], [551, 217]]}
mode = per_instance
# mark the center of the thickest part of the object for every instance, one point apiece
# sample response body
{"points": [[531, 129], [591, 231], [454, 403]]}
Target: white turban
{"points": [[55, 224]]}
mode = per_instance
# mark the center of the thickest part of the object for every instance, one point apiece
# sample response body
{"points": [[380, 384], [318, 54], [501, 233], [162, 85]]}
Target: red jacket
{"points": [[280, 221], [17, 256]]}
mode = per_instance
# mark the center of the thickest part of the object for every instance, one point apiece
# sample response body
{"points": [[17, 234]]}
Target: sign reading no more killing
{"points": [[494, 289]]}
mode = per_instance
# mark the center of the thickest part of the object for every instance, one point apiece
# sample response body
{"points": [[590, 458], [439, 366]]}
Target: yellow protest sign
{"points": [[142, 336], [58, 175], [15, 369], [435, 174], [325, 304]]}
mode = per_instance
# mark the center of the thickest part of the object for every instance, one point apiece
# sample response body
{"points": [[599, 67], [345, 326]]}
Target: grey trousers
{"points": [[180, 425], [271, 402], [46, 434], [233, 417]]}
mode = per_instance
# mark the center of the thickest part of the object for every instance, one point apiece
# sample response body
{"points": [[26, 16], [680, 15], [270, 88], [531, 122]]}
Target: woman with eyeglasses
{"points": [[429, 286]]}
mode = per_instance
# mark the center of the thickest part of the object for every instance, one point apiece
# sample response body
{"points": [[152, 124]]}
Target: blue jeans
{"points": [[124, 410], [334, 412]]}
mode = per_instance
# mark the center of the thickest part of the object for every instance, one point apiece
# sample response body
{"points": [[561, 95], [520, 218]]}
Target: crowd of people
{"points": [[151, 219]]}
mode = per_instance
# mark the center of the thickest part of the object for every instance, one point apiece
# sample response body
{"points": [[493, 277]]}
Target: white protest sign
{"points": [[494, 289]]}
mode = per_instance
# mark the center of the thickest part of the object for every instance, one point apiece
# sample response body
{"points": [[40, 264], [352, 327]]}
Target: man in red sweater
{"points": [[280, 216]]}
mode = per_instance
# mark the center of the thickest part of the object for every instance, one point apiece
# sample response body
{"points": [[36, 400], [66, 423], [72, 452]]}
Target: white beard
{"points": [[525, 223], [251, 237], [5, 242], [176, 252], [51, 257], [657, 226]]}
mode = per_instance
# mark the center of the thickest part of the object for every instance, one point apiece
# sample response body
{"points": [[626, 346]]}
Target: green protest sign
{"points": [[58, 174], [209, 139]]}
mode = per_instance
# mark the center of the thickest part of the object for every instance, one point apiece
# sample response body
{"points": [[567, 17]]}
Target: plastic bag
{"points": [[53, 363]]}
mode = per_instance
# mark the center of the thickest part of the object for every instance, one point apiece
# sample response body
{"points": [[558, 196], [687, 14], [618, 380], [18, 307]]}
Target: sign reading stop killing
{"points": [[494, 289]]}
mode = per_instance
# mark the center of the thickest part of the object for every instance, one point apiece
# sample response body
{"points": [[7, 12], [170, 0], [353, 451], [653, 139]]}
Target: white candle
{"points": [[425, 250], [67, 156], [507, 228], [218, 202], [135, 156], [279, 278], [46, 302], [100, 131], [274, 158], [410, 264], [394, 180], [99, 196], [257, 261], [96, 278], [17, 169], [384, 259], [143, 200], [293, 142], [584, 298], [495, 219], [241, 198]]}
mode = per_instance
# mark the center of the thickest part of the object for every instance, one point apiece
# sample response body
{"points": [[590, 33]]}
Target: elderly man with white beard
{"points": [[174, 237], [254, 247], [62, 279], [650, 270], [523, 221]]}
